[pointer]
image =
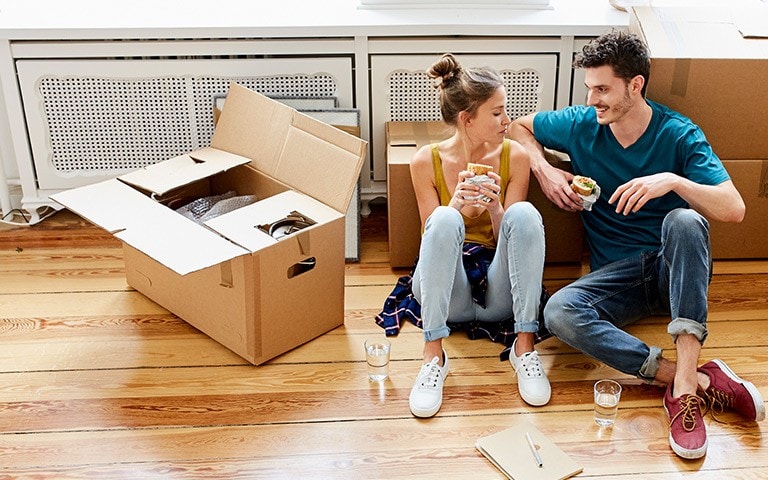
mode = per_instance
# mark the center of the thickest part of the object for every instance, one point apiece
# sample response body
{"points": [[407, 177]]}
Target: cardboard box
{"points": [[564, 231], [404, 224], [746, 239], [710, 63], [256, 294]]}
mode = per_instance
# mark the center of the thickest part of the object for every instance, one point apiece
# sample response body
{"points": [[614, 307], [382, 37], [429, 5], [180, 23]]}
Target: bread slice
{"points": [[479, 168], [583, 185]]}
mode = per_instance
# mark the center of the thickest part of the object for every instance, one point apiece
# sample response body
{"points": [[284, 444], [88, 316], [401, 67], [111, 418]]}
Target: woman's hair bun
{"points": [[443, 71]]}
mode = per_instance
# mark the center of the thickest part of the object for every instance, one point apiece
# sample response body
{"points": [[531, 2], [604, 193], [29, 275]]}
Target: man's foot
{"points": [[687, 432], [727, 391], [427, 392], [531, 381]]}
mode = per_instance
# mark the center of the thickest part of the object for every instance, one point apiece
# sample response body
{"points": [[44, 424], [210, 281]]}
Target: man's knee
{"points": [[555, 317], [686, 221]]}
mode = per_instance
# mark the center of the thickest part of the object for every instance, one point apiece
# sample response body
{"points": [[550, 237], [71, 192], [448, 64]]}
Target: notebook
{"points": [[510, 452]]}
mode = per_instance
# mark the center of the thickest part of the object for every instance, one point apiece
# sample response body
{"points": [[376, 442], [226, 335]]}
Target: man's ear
{"points": [[637, 83]]}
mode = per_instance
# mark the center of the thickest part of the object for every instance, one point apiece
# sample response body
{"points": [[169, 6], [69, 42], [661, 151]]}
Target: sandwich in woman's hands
{"points": [[588, 190], [481, 176], [479, 168]]}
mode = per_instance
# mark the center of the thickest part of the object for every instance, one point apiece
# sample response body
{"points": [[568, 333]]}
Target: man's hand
{"points": [[633, 195], [556, 185]]}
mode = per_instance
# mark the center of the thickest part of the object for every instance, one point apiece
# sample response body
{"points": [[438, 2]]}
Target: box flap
{"points": [[306, 154], [701, 32], [152, 228], [417, 134], [241, 226], [162, 177], [752, 22]]}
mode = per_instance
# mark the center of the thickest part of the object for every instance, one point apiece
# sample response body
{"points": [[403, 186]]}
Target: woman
{"points": [[482, 248]]}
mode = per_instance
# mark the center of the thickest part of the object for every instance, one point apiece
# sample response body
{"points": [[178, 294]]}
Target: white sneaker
{"points": [[531, 380], [427, 392]]}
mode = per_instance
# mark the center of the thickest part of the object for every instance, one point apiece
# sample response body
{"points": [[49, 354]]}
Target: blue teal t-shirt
{"points": [[671, 143]]}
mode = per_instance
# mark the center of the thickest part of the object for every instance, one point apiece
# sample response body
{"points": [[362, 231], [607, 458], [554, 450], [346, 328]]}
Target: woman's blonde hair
{"points": [[462, 89]]}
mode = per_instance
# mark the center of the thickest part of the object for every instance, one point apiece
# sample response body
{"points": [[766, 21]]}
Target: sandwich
{"points": [[583, 185], [479, 168]]}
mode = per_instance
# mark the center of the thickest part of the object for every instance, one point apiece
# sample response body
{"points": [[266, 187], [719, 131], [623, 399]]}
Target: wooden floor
{"points": [[96, 381]]}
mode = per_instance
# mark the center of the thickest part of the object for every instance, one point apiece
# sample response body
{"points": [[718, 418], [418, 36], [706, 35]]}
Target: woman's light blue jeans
{"points": [[589, 313], [440, 282]]}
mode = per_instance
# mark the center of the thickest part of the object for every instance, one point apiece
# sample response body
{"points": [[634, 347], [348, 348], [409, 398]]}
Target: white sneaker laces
{"points": [[429, 374], [531, 365]]}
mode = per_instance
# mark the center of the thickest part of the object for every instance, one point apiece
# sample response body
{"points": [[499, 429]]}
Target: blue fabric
{"points": [[671, 143], [400, 306]]}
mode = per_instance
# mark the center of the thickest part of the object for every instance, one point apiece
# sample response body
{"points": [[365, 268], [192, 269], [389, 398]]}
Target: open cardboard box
{"points": [[258, 295]]}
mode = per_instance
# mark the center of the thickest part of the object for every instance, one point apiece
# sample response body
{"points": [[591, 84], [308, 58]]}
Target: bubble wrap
{"points": [[206, 208]]}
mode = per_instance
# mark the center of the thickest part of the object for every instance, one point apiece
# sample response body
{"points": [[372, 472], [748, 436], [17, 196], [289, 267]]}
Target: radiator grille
{"points": [[414, 99], [108, 124]]}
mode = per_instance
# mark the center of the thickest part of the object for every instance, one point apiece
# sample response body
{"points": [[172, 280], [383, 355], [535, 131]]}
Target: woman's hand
{"points": [[464, 192], [490, 191], [484, 195]]}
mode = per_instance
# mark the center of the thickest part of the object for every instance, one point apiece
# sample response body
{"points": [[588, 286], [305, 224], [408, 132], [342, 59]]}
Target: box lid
{"points": [[716, 32], [150, 227], [162, 177], [241, 226], [416, 134], [306, 154]]}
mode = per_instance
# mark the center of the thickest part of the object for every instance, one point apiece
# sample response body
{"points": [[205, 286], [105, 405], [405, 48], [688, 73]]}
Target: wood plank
{"points": [[332, 450]]}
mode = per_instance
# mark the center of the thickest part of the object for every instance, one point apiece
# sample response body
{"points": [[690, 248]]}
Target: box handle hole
{"points": [[301, 267]]}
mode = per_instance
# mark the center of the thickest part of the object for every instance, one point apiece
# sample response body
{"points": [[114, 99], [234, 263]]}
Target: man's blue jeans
{"points": [[589, 313], [440, 282]]}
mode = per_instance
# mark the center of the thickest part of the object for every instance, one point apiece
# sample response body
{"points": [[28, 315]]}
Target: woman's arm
{"points": [[423, 179]]}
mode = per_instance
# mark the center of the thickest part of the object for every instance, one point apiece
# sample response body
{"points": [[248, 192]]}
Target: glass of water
{"points": [[377, 355], [607, 395]]}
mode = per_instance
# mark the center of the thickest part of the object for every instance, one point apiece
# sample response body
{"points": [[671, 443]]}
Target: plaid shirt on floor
{"points": [[401, 306]]}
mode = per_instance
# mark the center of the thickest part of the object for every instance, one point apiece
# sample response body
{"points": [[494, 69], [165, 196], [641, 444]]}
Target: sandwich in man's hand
{"points": [[587, 189]]}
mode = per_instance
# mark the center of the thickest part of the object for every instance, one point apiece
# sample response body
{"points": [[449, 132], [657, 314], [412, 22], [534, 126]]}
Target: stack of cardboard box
{"points": [[711, 65]]}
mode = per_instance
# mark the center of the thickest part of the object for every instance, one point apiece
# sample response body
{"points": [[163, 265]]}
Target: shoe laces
{"points": [[688, 406], [429, 375], [719, 401], [531, 364]]}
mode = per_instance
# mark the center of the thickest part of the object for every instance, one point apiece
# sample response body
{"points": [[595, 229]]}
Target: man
{"points": [[647, 233]]}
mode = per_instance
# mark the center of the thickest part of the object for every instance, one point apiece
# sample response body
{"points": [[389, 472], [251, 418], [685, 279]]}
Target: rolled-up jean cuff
{"points": [[527, 327], [436, 334], [683, 326], [651, 365]]}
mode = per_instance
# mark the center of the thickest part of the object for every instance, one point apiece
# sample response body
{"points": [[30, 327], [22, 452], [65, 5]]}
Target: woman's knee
{"points": [[522, 213], [445, 222], [524, 220]]}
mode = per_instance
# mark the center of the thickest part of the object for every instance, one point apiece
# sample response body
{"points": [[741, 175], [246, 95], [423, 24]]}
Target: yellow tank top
{"points": [[478, 229]]}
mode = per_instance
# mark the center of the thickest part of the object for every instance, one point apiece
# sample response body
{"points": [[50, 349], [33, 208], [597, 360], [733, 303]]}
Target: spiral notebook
{"points": [[510, 452]]}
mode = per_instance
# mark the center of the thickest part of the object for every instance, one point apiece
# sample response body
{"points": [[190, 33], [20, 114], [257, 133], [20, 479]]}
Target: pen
{"points": [[533, 449]]}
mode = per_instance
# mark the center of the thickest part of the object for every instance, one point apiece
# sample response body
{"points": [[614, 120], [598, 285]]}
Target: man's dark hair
{"points": [[624, 52]]}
